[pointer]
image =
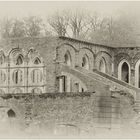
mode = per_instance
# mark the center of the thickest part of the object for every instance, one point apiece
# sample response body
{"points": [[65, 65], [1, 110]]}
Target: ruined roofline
{"points": [[85, 42], [101, 45]]}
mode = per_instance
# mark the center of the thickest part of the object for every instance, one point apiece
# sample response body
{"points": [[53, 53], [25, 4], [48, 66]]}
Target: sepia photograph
{"points": [[69, 69]]}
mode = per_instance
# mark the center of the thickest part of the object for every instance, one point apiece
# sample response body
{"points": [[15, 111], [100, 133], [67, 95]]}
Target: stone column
{"points": [[60, 84], [76, 58], [132, 76]]}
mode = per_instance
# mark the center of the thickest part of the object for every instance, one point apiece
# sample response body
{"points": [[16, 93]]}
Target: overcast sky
{"points": [[44, 8]]}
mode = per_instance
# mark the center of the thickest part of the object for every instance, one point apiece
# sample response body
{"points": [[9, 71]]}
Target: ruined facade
{"points": [[62, 80]]}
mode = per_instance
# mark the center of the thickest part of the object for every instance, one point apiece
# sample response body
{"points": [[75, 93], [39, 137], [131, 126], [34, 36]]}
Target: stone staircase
{"points": [[112, 82]]}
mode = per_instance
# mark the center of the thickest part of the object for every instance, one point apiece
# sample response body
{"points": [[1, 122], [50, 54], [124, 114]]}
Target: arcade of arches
{"points": [[124, 72]]}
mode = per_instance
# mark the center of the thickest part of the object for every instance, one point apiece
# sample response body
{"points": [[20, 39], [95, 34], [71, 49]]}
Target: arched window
{"points": [[2, 77], [124, 71], [19, 60], [17, 76], [85, 62], [67, 58], [36, 91], [17, 90], [37, 61], [102, 65], [36, 76], [11, 113]]}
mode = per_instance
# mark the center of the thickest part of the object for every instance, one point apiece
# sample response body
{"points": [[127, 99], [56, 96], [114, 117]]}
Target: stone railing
{"points": [[113, 82]]}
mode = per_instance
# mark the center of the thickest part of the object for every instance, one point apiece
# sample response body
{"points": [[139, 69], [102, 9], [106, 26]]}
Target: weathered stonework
{"points": [[85, 86]]}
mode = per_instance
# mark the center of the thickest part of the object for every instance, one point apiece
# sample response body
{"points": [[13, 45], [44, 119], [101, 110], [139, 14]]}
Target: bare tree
{"points": [[33, 25], [78, 23], [18, 28], [59, 22], [94, 21], [6, 27]]}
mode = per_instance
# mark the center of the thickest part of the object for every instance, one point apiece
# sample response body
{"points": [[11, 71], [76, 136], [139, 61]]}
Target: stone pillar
{"points": [[112, 67], [76, 58], [60, 84], [132, 76], [68, 82]]}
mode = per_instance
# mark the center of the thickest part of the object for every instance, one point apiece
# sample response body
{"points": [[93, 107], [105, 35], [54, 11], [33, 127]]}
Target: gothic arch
{"points": [[16, 51], [11, 113], [66, 44], [89, 56], [64, 49], [104, 58], [85, 62], [19, 60], [34, 57], [37, 61], [67, 58], [121, 56], [102, 65], [124, 71], [100, 52]]}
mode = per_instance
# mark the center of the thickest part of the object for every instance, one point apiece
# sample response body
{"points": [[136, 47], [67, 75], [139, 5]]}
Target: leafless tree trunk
{"points": [[78, 23], [59, 22], [33, 26]]}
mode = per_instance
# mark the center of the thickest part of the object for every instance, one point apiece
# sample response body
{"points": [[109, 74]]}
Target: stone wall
{"points": [[46, 47], [65, 115]]}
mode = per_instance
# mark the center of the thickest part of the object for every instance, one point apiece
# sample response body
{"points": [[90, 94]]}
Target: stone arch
{"points": [[34, 56], [86, 56], [85, 62], [62, 50], [19, 60], [105, 58], [102, 65], [67, 58], [16, 57], [124, 71], [67, 44], [104, 52], [37, 61], [11, 113], [16, 51], [118, 58], [121, 56]]}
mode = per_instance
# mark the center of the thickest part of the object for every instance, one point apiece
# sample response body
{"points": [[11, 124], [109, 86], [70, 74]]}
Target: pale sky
{"points": [[44, 8]]}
